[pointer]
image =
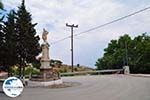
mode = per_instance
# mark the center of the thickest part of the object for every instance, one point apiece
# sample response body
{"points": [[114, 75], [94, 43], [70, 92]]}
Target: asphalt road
{"points": [[106, 87]]}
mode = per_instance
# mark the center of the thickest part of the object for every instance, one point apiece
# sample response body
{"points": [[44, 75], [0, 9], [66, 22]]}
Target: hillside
{"points": [[67, 68]]}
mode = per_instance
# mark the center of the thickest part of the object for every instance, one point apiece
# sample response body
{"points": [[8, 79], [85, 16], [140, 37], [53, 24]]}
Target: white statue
{"points": [[44, 35], [44, 55]]}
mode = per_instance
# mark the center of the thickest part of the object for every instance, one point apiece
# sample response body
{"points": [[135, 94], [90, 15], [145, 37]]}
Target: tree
{"points": [[140, 61], [1, 9], [1, 5], [55, 63], [27, 41], [10, 57], [115, 54], [1, 44], [1, 36], [126, 51]]}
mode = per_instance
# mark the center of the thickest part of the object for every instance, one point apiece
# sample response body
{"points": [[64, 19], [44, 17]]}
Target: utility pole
{"points": [[72, 26], [126, 50]]}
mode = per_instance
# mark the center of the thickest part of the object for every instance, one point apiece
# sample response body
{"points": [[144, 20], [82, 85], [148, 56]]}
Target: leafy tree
{"points": [[126, 51], [140, 61], [27, 41], [115, 53], [55, 63]]}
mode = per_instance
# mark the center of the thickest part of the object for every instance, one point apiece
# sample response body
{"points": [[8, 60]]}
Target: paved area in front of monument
{"points": [[104, 87]]}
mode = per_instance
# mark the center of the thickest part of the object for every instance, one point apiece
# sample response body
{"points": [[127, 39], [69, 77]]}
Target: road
{"points": [[104, 87]]}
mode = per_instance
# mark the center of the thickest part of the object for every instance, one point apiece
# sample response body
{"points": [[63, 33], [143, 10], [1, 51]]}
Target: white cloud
{"points": [[53, 14]]}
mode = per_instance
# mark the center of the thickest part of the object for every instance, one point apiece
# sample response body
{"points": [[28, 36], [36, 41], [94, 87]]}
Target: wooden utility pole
{"points": [[72, 26]]}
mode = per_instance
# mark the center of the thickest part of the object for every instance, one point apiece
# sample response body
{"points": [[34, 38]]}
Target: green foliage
{"points": [[28, 71], [55, 63], [1, 5], [36, 64], [1, 44], [10, 57], [2, 55], [28, 42], [31, 70], [8, 51], [19, 43], [126, 51]]}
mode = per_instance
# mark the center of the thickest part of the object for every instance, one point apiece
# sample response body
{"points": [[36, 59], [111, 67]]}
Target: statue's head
{"points": [[45, 31], [44, 35]]}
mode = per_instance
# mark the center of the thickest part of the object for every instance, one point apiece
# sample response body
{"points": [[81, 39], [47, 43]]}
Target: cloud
{"points": [[53, 14]]}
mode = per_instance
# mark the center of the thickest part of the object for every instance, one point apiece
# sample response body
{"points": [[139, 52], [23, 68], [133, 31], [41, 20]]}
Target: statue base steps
{"points": [[44, 83], [46, 74]]}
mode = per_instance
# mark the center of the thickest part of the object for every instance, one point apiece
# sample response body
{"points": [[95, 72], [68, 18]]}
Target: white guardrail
{"points": [[92, 72]]}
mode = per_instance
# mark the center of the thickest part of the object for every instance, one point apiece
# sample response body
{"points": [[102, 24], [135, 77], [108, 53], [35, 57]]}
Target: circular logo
{"points": [[12, 87]]}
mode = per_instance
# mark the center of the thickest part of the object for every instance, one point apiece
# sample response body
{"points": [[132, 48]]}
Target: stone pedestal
{"points": [[47, 76], [45, 64], [46, 71]]}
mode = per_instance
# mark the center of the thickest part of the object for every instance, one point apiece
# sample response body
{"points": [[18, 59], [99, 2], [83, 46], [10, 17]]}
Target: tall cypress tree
{"points": [[1, 44], [1, 9], [1, 36], [10, 40], [28, 42], [1, 5]]}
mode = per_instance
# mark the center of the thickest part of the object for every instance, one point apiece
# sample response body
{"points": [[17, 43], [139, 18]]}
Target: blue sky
{"points": [[53, 14]]}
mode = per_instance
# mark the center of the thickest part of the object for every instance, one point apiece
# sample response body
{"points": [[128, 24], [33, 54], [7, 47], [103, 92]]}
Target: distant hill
{"points": [[67, 68]]}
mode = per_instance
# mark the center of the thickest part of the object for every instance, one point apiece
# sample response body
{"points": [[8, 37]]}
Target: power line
{"points": [[94, 28], [121, 18], [57, 41]]}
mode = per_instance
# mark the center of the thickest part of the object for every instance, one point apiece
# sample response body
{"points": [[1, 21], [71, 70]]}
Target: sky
{"points": [[88, 47]]}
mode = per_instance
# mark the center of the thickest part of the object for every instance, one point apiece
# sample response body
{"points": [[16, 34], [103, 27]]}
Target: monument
{"points": [[45, 68], [47, 75]]}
